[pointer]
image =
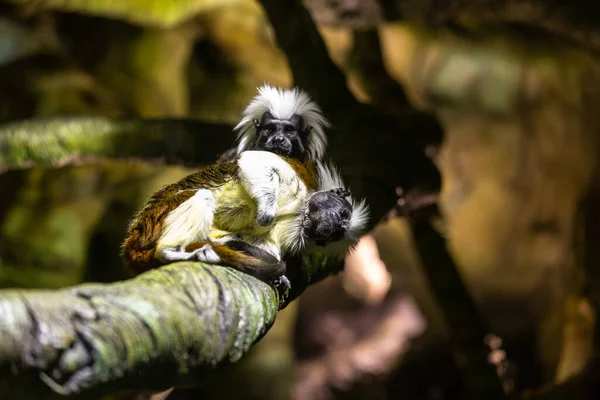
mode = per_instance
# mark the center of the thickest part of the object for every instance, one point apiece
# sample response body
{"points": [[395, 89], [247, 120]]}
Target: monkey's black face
{"points": [[288, 138], [328, 216]]}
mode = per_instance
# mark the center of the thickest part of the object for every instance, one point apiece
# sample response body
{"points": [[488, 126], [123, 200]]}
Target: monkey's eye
{"points": [[289, 131], [269, 131]]}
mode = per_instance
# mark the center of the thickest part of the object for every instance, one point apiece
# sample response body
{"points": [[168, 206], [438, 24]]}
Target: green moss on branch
{"points": [[172, 326], [70, 140]]}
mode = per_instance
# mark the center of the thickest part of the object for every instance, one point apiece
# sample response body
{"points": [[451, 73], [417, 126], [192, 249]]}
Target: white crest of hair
{"points": [[283, 104]]}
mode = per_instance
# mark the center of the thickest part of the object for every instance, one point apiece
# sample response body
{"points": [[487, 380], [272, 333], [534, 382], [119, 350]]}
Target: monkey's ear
{"points": [[304, 132], [256, 124]]}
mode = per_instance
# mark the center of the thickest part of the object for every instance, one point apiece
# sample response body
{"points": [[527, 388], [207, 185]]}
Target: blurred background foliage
{"points": [[514, 89]]}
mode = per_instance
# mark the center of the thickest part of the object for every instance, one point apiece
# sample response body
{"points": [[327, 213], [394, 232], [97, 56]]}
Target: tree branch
{"points": [[71, 140], [467, 328], [576, 20], [581, 386], [161, 13], [172, 326], [367, 61], [313, 70]]}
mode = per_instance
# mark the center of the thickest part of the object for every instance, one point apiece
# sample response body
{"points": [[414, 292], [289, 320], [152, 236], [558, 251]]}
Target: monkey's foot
{"points": [[207, 255], [177, 254], [283, 286]]}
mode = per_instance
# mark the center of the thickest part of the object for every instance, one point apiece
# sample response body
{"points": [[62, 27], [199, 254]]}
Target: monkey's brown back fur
{"points": [[138, 249], [306, 171]]}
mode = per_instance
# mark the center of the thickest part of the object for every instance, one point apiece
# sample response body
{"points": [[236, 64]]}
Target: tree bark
{"points": [[173, 326]]}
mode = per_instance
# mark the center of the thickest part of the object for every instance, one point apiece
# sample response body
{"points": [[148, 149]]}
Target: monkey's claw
{"points": [[207, 254], [340, 192], [283, 285]]}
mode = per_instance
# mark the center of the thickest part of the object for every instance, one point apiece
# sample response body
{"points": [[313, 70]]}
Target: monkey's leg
{"points": [[242, 256], [174, 254], [191, 220]]}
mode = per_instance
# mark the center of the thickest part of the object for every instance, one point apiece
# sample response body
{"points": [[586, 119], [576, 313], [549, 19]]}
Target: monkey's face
{"points": [[328, 216], [285, 137]]}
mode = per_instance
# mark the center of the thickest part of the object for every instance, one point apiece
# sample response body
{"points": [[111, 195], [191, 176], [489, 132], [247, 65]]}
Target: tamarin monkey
{"points": [[225, 213], [246, 214]]}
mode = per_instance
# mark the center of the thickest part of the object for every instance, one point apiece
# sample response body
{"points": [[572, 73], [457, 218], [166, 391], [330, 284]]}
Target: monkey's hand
{"points": [[206, 254], [267, 207], [340, 192], [266, 216], [261, 174]]}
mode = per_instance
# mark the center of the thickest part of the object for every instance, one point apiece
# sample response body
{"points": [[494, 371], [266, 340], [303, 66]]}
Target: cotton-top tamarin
{"points": [[249, 212]]}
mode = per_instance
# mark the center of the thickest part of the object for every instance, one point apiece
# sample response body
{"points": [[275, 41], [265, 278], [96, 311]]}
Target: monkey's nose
{"points": [[277, 140]]}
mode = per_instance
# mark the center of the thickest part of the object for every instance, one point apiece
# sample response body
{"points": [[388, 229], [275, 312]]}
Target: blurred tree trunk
{"points": [[518, 158]]}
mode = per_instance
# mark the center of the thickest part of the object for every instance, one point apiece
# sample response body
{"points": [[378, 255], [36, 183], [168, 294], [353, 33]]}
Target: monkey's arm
{"points": [[262, 174]]}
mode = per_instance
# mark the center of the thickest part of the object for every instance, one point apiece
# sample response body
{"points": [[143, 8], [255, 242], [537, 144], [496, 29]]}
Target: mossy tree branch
{"points": [[95, 339], [466, 326], [70, 140], [91, 354], [161, 13]]}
